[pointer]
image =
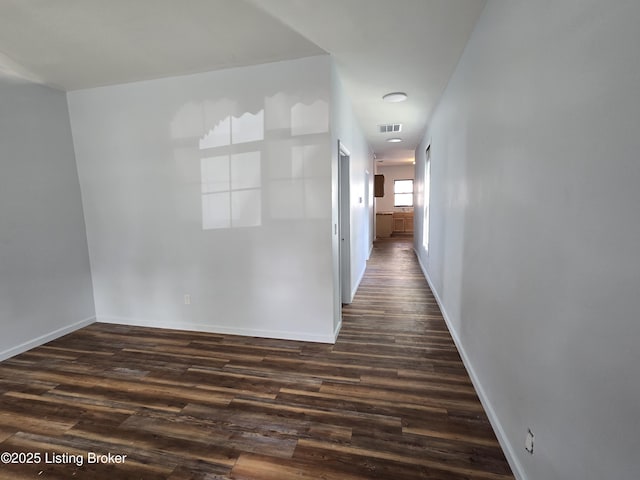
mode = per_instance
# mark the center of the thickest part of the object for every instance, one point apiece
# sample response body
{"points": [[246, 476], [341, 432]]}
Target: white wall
{"points": [[217, 186], [535, 231], [345, 128], [45, 281], [392, 173]]}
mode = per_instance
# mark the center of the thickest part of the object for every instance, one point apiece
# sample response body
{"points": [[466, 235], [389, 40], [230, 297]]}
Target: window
{"points": [[403, 193], [427, 193]]}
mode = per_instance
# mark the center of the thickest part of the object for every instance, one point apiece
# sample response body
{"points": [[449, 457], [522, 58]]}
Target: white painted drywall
{"points": [[345, 128], [392, 173], [535, 229], [45, 281], [217, 186]]}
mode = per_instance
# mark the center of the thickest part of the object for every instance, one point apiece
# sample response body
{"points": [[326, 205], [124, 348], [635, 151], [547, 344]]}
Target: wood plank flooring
{"points": [[390, 400]]}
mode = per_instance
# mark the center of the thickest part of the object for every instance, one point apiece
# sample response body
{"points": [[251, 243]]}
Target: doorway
{"points": [[344, 212]]}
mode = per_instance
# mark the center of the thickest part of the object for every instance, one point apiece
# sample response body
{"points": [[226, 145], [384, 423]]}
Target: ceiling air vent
{"points": [[390, 128]]}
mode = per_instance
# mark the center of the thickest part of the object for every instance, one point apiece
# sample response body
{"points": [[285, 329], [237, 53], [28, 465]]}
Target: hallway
{"points": [[390, 400], [395, 326]]}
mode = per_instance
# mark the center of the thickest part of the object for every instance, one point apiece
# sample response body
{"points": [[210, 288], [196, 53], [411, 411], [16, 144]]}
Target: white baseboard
{"points": [[336, 331], [201, 327], [357, 285], [506, 445], [47, 337]]}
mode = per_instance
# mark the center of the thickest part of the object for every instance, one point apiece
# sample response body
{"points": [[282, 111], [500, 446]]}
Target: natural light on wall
{"points": [[250, 172], [231, 184], [231, 191]]}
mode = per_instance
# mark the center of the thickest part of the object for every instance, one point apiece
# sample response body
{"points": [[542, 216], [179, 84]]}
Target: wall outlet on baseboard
{"points": [[528, 443], [187, 299]]}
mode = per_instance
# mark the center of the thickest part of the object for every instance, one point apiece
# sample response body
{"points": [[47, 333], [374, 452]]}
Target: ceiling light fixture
{"points": [[394, 140], [395, 97]]}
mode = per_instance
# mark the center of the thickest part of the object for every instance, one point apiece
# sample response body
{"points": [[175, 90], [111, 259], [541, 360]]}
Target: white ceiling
{"points": [[383, 46], [379, 46]]}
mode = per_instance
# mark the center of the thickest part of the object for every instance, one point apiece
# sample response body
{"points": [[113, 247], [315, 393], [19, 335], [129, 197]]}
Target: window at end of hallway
{"points": [[403, 193]]}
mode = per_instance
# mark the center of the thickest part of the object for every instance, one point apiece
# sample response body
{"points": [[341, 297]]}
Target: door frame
{"points": [[344, 222]]}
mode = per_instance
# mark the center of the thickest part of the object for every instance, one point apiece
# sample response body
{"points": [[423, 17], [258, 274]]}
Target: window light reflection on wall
{"points": [[231, 184]]}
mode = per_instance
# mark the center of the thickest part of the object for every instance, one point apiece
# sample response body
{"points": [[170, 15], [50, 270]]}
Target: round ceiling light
{"points": [[394, 140], [395, 97]]}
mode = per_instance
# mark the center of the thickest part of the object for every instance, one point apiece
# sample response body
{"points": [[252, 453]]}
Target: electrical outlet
{"points": [[528, 443], [187, 299]]}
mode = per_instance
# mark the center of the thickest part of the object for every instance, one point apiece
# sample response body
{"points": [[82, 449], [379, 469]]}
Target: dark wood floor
{"points": [[390, 400]]}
